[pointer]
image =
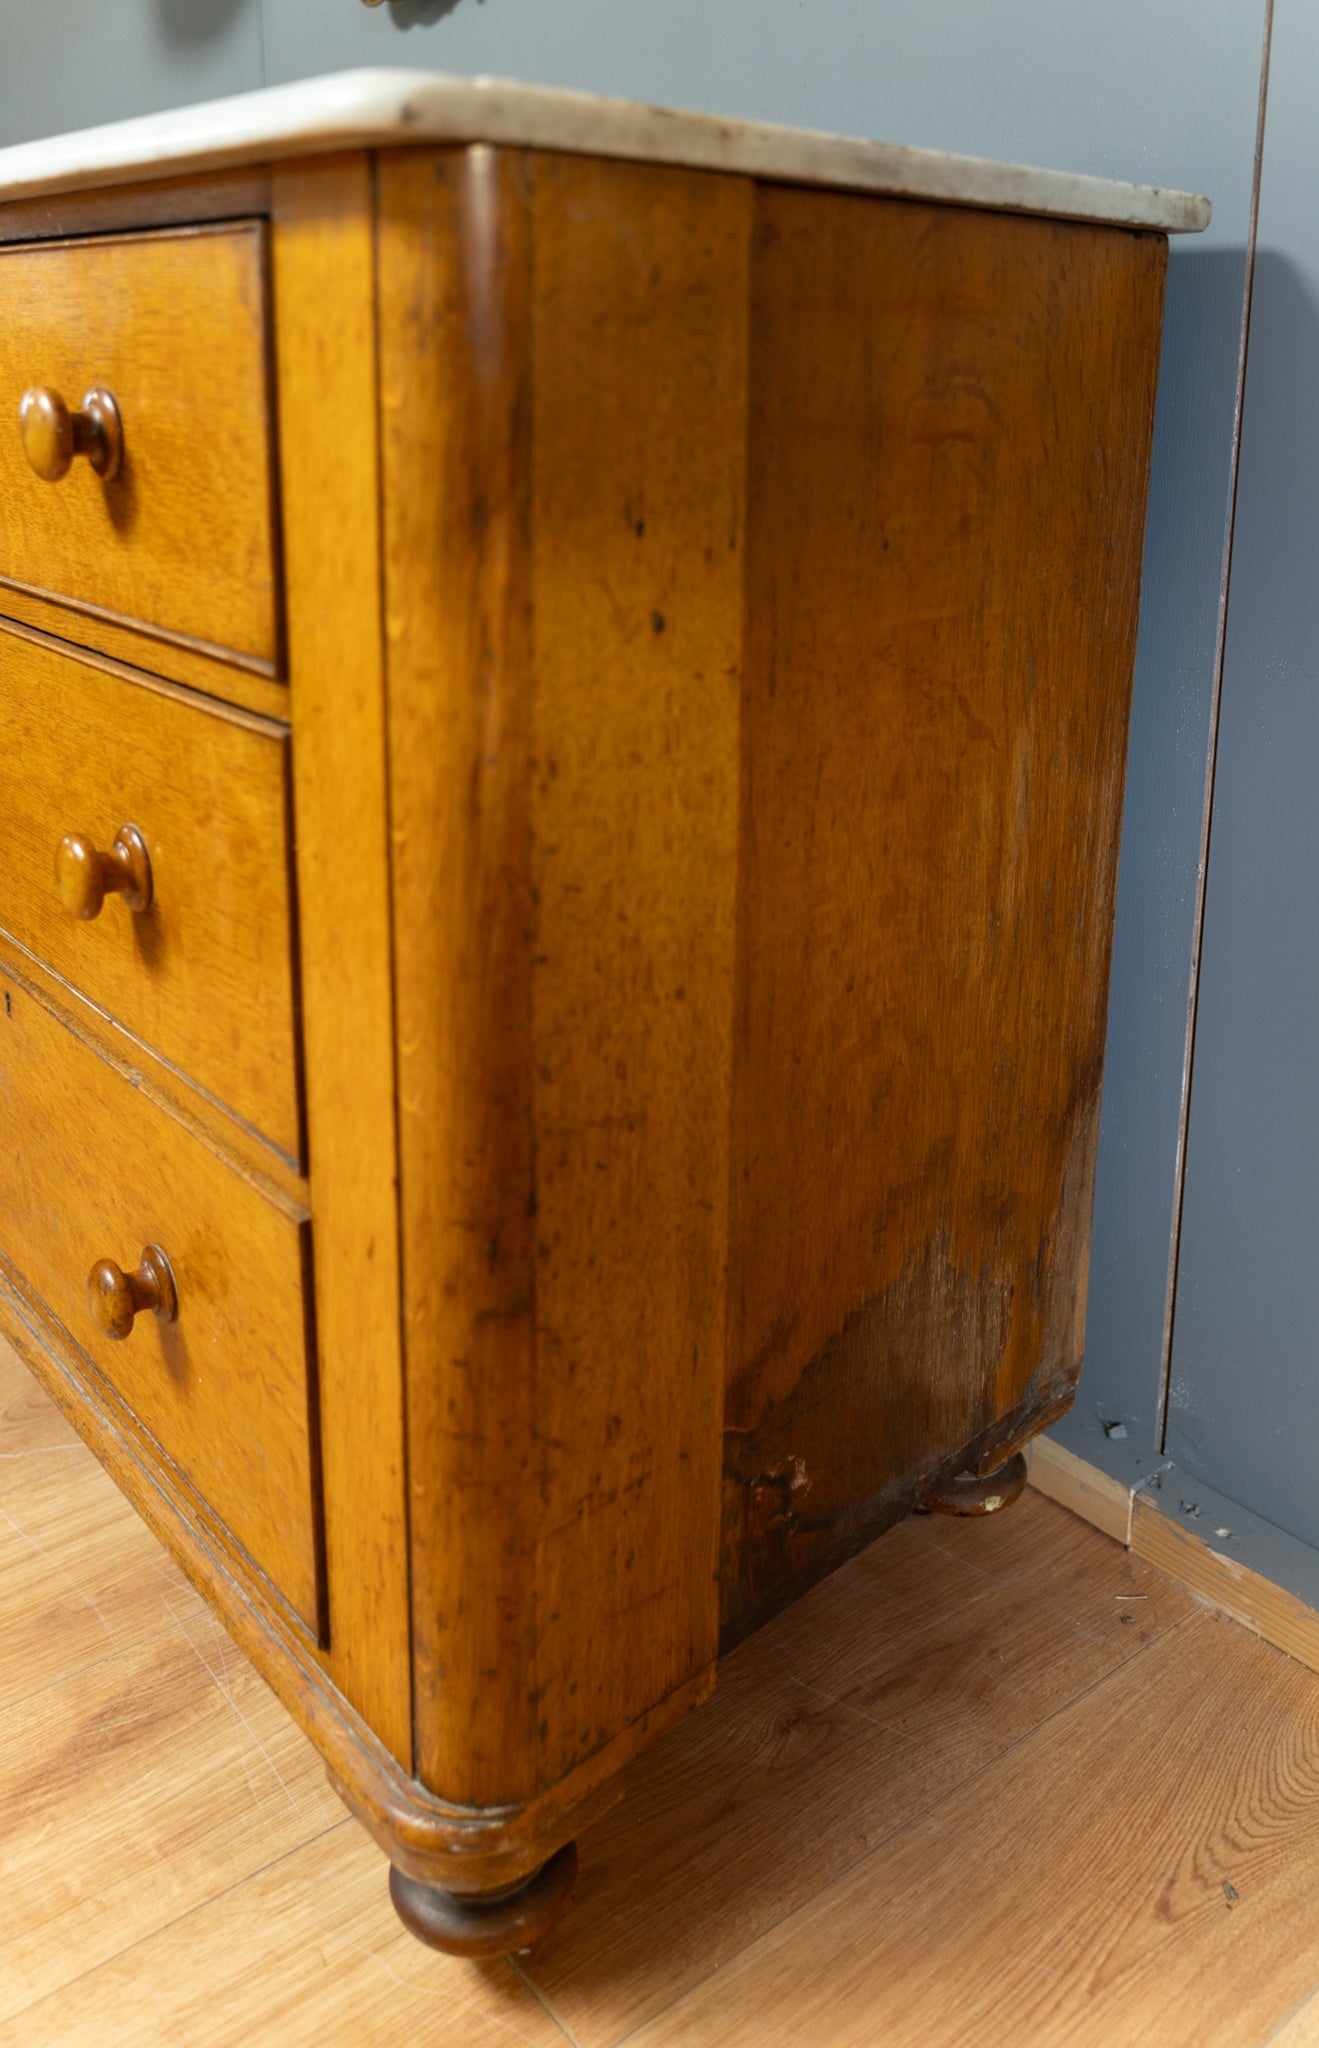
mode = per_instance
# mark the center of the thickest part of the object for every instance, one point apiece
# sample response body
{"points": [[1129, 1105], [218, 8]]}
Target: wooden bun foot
{"points": [[486, 1923], [970, 1495]]}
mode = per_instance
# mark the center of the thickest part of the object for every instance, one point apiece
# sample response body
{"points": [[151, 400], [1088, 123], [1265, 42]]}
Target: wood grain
{"points": [[709, 621], [904, 1674], [1095, 1496], [168, 201], [563, 442], [1222, 1582], [236, 1142], [90, 1169], [82, 1577], [124, 642], [304, 1953], [164, 1890], [175, 324], [1301, 2030], [476, 1848], [639, 484], [34, 1437], [206, 974], [933, 768], [455, 284], [1077, 1884], [324, 282], [120, 1864]]}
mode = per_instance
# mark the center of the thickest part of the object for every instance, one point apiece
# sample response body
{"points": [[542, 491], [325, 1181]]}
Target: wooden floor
{"points": [[994, 1782]]}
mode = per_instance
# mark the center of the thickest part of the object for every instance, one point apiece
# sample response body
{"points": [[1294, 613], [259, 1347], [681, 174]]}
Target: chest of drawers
{"points": [[563, 696]]}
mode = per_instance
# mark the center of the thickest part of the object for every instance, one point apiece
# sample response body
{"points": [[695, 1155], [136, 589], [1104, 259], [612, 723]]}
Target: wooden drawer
{"points": [[90, 1169], [174, 325], [205, 973]]}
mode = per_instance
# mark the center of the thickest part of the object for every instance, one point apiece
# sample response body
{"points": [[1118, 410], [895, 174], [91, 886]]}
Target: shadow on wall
{"points": [[186, 23], [420, 13], [1190, 486]]}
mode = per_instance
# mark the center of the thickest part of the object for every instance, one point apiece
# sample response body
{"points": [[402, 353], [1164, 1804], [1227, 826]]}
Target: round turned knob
{"points": [[116, 1297], [52, 435], [83, 876]]}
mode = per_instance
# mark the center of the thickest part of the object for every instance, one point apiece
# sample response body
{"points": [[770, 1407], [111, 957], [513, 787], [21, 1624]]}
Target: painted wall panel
{"points": [[74, 63], [1244, 1397]]}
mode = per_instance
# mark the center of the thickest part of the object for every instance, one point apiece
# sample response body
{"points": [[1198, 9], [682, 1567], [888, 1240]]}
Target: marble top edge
{"points": [[381, 108]]}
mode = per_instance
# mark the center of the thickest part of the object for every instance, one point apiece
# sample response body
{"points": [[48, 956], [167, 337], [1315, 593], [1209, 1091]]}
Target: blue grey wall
{"points": [[1162, 91], [79, 62], [1244, 1407]]}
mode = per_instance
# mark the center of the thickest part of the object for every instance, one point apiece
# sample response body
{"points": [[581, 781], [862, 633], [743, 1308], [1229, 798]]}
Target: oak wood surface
{"points": [[174, 323], [122, 641], [120, 1865], [89, 1170], [563, 443], [82, 1577], [830, 1731], [304, 1953], [206, 973], [1151, 1845], [687, 753], [324, 287], [473, 1848], [1223, 1582], [1083, 1489], [950, 420], [638, 497], [200, 1909], [34, 1437], [168, 201], [454, 297], [236, 1142], [1301, 2030]]}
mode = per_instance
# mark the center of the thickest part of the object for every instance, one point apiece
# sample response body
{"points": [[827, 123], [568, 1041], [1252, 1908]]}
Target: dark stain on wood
{"points": [[931, 789]]}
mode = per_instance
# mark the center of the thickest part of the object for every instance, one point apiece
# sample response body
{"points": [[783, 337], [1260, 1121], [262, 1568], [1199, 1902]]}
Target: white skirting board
{"points": [[1233, 1561]]}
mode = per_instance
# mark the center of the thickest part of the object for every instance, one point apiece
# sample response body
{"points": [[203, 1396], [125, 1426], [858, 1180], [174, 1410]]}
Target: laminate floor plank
{"points": [[136, 1789], [1143, 1867], [889, 1684], [987, 1782], [82, 1576], [34, 1436], [306, 1953], [1301, 2028]]}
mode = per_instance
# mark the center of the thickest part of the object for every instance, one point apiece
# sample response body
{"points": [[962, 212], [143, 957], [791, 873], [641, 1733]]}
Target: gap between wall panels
{"points": [[1211, 763]]}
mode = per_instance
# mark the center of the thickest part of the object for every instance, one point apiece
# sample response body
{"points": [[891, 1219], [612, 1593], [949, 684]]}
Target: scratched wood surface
{"points": [[766, 949], [844, 1847], [564, 934]]}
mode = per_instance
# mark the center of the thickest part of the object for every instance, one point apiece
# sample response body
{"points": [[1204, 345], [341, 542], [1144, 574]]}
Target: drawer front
{"points": [[205, 973], [174, 326], [90, 1169]]}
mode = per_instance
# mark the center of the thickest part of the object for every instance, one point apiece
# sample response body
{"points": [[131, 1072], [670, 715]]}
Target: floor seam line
{"points": [[886, 1841]]}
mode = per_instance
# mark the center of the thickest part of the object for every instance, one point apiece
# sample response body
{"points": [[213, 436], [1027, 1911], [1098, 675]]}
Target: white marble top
{"points": [[380, 108]]}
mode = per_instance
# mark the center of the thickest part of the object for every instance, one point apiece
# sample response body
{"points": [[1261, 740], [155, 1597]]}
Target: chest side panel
{"points": [[950, 420]]}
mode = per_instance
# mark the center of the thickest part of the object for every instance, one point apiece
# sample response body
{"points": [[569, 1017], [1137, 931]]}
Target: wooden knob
{"points": [[83, 876], [52, 435], [116, 1297]]}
